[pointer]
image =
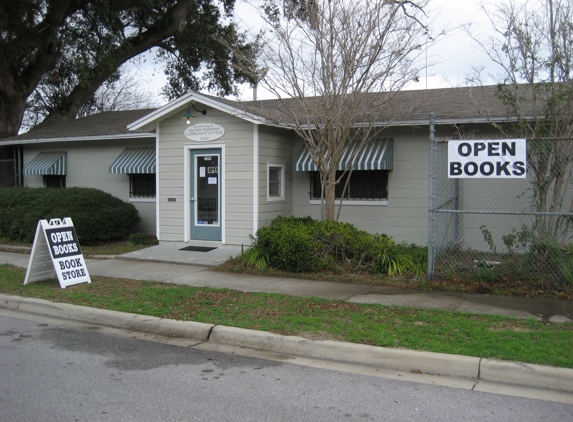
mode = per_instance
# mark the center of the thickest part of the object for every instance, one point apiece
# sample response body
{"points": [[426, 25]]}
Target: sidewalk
{"points": [[168, 263]]}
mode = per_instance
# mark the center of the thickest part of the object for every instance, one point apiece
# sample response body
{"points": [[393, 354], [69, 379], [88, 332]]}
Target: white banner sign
{"points": [[502, 158], [56, 251]]}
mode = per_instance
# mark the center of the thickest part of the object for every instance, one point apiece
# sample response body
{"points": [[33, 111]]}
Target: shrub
{"points": [[142, 239], [97, 215], [302, 244], [287, 243]]}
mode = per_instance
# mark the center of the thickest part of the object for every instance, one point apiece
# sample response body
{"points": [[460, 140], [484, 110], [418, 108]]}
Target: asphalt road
{"points": [[76, 372]]}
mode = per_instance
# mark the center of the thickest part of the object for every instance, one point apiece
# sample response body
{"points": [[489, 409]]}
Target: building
{"points": [[231, 171]]}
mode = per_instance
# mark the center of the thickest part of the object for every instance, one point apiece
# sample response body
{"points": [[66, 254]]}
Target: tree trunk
{"points": [[11, 112], [330, 195]]}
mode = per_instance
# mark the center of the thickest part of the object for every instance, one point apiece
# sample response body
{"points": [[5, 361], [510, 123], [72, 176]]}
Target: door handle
{"points": [[192, 199]]}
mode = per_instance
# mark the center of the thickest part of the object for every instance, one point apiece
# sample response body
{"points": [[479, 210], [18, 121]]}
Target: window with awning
{"points": [[48, 163], [376, 155], [139, 164], [134, 161]]}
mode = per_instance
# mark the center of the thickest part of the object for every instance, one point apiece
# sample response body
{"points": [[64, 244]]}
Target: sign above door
{"points": [[204, 132]]}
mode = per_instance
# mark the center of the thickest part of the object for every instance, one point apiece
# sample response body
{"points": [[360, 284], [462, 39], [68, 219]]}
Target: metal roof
{"points": [[134, 161], [376, 155], [48, 163]]}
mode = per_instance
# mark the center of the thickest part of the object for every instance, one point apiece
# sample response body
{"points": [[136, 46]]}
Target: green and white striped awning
{"points": [[48, 163], [377, 155], [135, 161]]}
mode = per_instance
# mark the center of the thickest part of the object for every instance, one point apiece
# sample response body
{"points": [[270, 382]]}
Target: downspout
{"points": [[255, 178], [431, 205], [157, 220]]}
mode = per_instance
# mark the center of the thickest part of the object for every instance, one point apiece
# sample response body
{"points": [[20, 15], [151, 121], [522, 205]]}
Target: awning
{"points": [[377, 155], [134, 161], [48, 163]]}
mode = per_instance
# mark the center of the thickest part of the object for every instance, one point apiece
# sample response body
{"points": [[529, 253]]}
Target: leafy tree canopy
{"points": [[62, 51]]}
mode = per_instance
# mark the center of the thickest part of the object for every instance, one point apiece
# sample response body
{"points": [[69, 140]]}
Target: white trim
{"points": [[352, 202], [142, 199], [186, 198], [255, 179], [157, 219], [181, 102], [282, 182], [136, 135]]}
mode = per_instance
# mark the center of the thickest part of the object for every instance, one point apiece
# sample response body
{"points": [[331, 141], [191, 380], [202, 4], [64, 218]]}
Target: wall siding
{"points": [[275, 146], [405, 218], [88, 166], [238, 140]]}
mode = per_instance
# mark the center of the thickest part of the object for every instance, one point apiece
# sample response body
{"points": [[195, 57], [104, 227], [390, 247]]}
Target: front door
{"points": [[205, 194]]}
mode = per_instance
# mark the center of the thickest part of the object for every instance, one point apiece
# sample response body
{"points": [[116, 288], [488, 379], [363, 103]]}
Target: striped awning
{"points": [[48, 163], [135, 161], [377, 155]]}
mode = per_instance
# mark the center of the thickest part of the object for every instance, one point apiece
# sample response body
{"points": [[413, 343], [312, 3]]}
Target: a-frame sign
{"points": [[56, 251]]}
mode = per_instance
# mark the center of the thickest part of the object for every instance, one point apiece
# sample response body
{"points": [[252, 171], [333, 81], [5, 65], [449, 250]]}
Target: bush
{"points": [[97, 216], [142, 239], [302, 244]]}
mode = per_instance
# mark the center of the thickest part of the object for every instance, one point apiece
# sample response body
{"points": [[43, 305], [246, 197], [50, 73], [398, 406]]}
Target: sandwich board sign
{"points": [[56, 251]]}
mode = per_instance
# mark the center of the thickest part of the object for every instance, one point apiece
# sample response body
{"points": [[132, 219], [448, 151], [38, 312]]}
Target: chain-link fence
{"points": [[488, 229]]}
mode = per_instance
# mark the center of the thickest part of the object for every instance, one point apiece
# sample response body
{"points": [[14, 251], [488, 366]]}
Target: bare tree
{"points": [[122, 93], [334, 65], [533, 46]]}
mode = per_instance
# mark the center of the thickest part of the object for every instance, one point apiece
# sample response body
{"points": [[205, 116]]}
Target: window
{"points": [[275, 182], [142, 185], [366, 185], [55, 181]]}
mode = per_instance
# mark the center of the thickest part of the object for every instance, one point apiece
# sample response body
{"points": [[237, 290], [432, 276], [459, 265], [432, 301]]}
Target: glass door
{"points": [[205, 194]]}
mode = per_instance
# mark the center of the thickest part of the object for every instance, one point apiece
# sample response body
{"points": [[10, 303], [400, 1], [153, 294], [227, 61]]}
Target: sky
{"points": [[453, 54]]}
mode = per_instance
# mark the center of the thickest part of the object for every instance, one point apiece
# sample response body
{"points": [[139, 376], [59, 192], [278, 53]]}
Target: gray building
{"points": [[232, 170]]}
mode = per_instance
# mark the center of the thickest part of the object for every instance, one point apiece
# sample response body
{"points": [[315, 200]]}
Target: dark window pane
{"points": [[142, 185], [55, 182], [363, 184]]}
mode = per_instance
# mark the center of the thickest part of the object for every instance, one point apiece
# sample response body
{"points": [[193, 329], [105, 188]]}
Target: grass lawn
{"points": [[430, 330]]}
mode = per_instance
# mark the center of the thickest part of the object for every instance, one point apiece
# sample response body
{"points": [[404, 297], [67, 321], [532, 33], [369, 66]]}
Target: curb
{"points": [[185, 329], [15, 249], [461, 367], [464, 367]]}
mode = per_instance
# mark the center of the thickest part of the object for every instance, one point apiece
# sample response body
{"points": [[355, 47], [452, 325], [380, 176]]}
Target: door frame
{"points": [[187, 188]]}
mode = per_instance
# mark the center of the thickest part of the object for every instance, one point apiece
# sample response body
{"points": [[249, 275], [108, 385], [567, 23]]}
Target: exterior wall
{"points": [[275, 146], [88, 166], [238, 167], [405, 217]]}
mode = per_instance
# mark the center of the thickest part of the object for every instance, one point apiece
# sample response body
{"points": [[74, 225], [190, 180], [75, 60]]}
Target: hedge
{"points": [[97, 216], [304, 245]]}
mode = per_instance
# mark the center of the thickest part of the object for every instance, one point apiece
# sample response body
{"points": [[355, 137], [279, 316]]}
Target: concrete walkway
{"points": [[168, 263]]}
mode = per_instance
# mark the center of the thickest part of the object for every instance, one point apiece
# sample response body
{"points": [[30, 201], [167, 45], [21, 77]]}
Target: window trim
{"points": [[281, 196], [353, 202]]}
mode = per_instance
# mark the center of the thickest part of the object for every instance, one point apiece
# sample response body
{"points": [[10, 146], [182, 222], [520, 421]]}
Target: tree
{"points": [[71, 47], [126, 93], [334, 65], [534, 48]]}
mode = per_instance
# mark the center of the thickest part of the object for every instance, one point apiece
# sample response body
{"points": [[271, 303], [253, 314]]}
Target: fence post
{"points": [[431, 194]]}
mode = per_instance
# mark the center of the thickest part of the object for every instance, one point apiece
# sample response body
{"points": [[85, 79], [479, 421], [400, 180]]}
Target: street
{"points": [[76, 372]]}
